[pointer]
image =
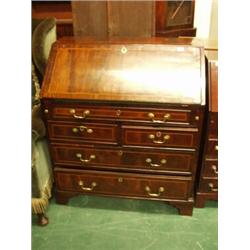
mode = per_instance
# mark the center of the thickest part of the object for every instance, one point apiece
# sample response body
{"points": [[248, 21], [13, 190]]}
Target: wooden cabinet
{"points": [[175, 18], [61, 10], [124, 118], [103, 19], [208, 182]]}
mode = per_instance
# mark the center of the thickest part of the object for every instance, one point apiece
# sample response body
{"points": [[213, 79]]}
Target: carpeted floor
{"points": [[98, 223]]}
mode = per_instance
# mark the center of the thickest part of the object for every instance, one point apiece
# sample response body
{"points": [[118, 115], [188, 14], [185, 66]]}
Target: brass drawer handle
{"points": [[161, 190], [211, 186], [81, 184], [91, 157], [82, 129], [165, 138], [214, 167], [216, 148], [149, 161], [165, 117], [85, 114]]}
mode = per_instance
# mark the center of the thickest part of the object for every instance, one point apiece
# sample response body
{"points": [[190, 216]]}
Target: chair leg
{"points": [[42, 219]]}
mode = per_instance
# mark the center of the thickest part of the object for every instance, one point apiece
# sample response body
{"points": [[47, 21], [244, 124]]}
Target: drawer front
{"points": [[210, 168], [94, 133], [160, 137], [81, 112], [213, 126], [84, 157], [212, 149], [209, 185], [134, 185], [157, 115]]}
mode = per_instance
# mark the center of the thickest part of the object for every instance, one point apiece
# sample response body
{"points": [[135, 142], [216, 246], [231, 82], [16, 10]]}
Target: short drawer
{"points": [[121, 184], [80, 112], [160, 137], [91, 132], [210, 168], [209, 185], [123, 159], [212, 148]]}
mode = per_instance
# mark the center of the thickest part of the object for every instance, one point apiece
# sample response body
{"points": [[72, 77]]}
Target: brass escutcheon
{"points": [[120, 152], [124, 50], [118, 112], [158, 134], [120, 179]]}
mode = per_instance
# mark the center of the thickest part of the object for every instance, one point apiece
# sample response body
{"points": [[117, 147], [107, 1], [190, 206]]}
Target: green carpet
{"points": [[98, 223]]}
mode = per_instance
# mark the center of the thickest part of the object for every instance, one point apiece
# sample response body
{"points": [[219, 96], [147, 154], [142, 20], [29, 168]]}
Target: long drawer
{"points": [[121, 184], [81, 112], [120, 158], [93, 132], [158, 137]]}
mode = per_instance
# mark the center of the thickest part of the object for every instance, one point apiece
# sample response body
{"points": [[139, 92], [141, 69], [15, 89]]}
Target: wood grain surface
{"points": [[127, 71]]}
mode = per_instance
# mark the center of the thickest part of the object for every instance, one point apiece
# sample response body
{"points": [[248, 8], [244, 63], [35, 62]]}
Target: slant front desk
{"points": [[124, 119]]}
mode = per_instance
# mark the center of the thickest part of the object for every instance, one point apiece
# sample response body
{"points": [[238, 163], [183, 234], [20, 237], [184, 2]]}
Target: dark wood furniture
{"points": [[174, 18], [119, 18], [124, 118], [208, 182], [108, 19], [61, 10]]}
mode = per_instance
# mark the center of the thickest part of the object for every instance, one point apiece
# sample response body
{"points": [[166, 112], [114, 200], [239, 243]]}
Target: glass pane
{"points": [[178, 13]]}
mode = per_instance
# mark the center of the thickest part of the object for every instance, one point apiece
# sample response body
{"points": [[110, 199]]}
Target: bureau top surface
{"points": [[130, 71]]}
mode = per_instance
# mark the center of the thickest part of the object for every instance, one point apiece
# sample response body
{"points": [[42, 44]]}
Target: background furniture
{"points": [[43, 35], [208, 180], [175, 18], [119, 18], [122, 122], [60, 10], [104, 19]]}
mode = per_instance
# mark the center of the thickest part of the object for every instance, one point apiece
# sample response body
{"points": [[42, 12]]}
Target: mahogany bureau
{"points": [[208, 181], [124, 119]]}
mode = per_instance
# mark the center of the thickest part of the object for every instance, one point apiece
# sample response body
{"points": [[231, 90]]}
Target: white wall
{"points": [[206, 19], [213, 32]]}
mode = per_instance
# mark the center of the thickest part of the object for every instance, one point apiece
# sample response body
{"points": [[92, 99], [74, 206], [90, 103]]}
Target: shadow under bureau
{"points": [[124, 118]]}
